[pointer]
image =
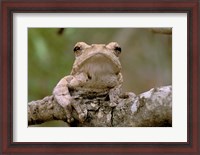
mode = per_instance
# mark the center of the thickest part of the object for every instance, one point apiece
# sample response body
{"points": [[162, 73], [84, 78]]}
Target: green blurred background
{"points": [[146, 56]]}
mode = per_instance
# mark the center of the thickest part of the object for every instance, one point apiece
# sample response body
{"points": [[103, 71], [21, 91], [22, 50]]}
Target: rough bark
{"points": [[150, 109]]}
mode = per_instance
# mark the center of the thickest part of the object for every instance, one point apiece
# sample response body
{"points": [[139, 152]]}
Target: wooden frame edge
{"points": [[7, 146]]}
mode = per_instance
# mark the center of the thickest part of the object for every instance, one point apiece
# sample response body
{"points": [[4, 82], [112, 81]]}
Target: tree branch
{"points": [[150, 109]]}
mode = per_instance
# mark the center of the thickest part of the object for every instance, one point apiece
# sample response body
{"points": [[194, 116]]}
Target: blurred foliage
{"points": [[146, 56]]}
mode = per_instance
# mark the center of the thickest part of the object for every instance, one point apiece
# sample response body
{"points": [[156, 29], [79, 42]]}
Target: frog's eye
{"points": [[114, 46], [117, 50], [77, 50]]}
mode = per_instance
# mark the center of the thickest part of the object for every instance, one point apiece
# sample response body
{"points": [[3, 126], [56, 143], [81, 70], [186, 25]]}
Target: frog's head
{"points": [[99, 58]]}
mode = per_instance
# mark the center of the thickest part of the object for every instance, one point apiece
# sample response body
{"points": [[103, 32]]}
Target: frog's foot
{"points": [[68, 111], [65, 102], [81, 110]]}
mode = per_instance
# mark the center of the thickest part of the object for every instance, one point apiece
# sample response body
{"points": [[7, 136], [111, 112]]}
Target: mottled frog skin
{"points": [[96, 70]]}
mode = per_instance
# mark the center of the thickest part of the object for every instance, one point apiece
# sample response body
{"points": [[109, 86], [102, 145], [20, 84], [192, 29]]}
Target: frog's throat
{"points": [[113, 60]]}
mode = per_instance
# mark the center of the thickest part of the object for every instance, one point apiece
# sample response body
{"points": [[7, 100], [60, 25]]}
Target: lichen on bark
{"points": [[150, 109]]}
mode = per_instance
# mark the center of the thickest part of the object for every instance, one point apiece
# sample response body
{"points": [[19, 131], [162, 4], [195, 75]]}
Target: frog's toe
{"points": [[70, 120], [112, 104], [82, 117]]}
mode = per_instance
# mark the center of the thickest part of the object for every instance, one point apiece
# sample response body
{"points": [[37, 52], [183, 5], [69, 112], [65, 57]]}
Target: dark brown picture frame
{"points": [[9, 7]]}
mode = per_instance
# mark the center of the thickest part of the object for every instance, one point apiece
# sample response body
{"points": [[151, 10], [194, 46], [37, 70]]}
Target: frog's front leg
{"points": [[114, 93], [78, 81], [63, 97]]}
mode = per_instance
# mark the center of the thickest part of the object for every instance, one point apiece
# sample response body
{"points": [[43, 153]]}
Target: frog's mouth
{"points": [[100, 63]]}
